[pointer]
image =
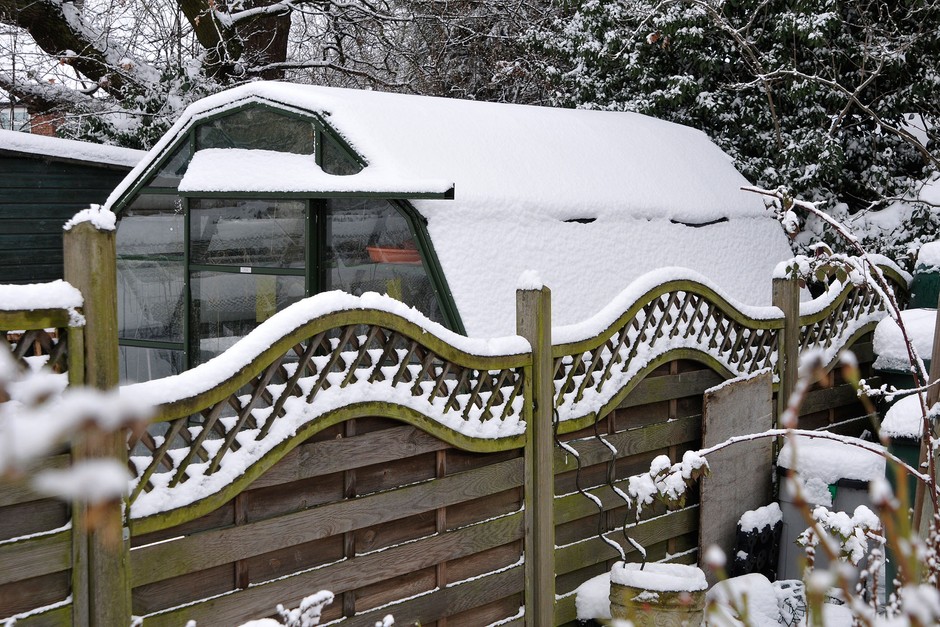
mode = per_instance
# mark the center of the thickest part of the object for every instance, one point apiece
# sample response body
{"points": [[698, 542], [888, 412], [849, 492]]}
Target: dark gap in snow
{"points": [[700, 224]]}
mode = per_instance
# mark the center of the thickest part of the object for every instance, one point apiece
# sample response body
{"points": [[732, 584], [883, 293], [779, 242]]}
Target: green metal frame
{"points": [[314, 270]]}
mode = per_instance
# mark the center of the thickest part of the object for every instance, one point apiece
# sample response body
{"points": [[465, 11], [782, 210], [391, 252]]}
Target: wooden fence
{"points": [[413, 472]]}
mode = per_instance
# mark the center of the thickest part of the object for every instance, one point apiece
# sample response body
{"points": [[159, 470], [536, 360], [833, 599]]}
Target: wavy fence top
{"points": [[335, 356]]}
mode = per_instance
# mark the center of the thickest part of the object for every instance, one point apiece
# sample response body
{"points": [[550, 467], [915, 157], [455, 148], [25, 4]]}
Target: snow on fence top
{"points": [[34, 296], [591, 200], [27, 143], [338, 353]]}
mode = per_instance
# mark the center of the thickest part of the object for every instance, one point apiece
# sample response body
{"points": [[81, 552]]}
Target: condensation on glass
{"points": [[226, 306], [370, 248], [259, 233], [258, 129], [150, 269]]}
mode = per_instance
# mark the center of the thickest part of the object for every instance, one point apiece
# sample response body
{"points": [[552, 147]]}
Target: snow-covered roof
{"points": [[265, 171], [589, 199], [68, 149]]}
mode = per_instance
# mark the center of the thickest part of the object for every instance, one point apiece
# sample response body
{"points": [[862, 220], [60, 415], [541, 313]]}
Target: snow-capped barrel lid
{"points": [[830, 460]]}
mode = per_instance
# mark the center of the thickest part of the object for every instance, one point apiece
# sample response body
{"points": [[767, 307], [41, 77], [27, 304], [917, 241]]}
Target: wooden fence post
{"points": [[101, 591], [534, 322], [786, 296]]}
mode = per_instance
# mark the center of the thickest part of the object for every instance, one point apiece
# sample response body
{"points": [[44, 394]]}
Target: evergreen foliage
{"points": [[836, 100]]}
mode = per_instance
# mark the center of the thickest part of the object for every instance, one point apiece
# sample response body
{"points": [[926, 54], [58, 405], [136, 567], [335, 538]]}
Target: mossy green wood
{"points": [[407, 415], [786, 297], [533, 322], [34, 319], [91, 268]]}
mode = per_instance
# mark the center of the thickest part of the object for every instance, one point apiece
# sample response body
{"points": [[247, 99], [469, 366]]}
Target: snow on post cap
{"points": [[100, 218], [529, 280], [929, 255], [659, 577]]}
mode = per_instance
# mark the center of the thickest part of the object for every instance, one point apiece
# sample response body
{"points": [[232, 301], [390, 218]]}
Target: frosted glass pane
{"points": [[370, 248], [268, 233]]}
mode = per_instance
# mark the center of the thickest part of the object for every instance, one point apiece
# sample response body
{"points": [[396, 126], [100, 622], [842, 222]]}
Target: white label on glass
{"points": [[245, 270]]}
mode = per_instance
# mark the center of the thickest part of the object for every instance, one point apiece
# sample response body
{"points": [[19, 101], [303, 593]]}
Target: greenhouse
{"points": [[267, 193]]}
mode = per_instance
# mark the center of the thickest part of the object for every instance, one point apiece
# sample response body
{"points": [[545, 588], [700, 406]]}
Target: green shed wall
{"points": [[37, 196]]}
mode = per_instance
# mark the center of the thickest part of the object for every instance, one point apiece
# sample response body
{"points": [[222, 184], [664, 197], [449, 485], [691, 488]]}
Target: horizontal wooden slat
{"points": [[19, 490], [574, 506], [648, 532], [321, 458], [36, 319], [347, 575], [630, 442], [829, 398], [211, 548], [35, 556], [669, 387], [447, 601], [56, 616]]}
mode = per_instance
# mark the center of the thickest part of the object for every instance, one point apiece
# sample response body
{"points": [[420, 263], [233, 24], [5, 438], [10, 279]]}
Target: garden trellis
{"points": [[278, 451]]}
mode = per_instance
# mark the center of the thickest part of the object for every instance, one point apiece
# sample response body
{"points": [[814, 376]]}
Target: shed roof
{"points": [[59, 149], [589, 199]]}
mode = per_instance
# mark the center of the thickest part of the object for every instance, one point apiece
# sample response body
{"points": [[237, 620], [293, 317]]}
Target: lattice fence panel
{"points": [[675, 320], [365, 362]]}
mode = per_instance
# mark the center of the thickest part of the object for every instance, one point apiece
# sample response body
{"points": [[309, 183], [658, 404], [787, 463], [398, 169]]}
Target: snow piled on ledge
{"points": [[70, 149], [54, 295], [267, 171]]}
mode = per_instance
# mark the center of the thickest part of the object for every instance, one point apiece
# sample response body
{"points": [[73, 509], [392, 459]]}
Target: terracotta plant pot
{"points": [[660, 595]]}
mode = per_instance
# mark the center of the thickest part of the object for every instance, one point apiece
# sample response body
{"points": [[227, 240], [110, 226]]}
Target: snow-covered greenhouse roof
{"points": [[590, 200]]}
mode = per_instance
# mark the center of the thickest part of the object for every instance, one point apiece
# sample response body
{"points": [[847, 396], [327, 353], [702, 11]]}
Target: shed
{"points": [[44, 181], [269, 192]]}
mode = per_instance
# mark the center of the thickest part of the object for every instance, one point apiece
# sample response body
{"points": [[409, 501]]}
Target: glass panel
{"points": [[226, 306], [259, 128], [370, 248], [150, 269], [173, 170], [268, 233], [146, 364], [335, 159]]}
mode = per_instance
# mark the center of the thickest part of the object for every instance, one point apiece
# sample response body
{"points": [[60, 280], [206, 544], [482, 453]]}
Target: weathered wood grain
{"points": [[36, 556], [346, 575], [210, 548], [337, 455], [17, 491], [668, 387], [632, 442]]}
